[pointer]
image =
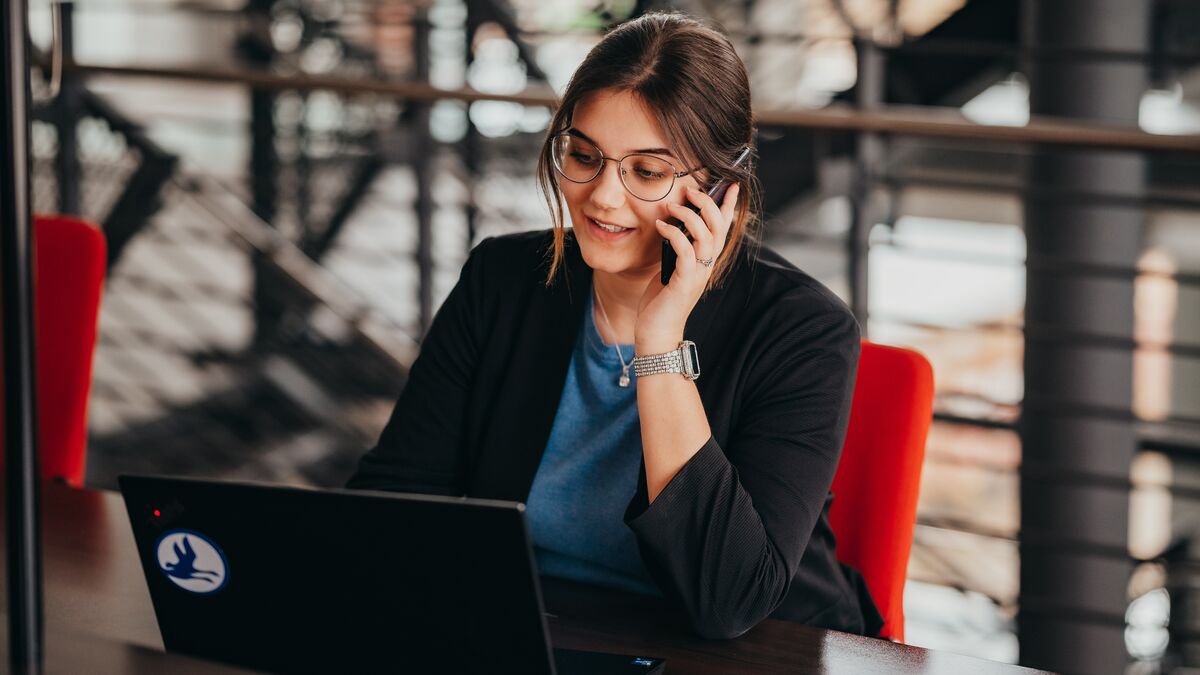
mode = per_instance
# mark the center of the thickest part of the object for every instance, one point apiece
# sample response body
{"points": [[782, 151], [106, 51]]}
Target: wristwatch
{"points": [[684, 360]]}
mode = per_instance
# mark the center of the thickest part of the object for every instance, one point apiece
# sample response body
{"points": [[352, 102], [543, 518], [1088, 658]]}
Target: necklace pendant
{"points": [[624, 379]]}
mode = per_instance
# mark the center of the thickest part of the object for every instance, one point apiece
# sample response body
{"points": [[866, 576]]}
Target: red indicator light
{"points": [[157, 513]]}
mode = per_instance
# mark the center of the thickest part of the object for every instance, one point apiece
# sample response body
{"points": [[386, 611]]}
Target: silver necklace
{"points": [[624, 379]]}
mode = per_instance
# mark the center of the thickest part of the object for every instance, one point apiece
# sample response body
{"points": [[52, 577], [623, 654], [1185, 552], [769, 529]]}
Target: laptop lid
{"points": [[298, 580]]}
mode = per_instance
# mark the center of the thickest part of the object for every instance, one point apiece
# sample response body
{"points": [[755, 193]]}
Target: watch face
{"points": [[691, 359]]}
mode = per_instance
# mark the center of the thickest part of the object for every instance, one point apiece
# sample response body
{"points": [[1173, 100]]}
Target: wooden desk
{"points": [[99, 615]]}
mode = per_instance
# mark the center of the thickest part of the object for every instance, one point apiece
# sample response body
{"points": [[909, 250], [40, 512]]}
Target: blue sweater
{"points": [[589, 472]]}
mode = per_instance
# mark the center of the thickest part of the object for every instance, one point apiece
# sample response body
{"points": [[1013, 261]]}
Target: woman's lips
{"points": [[604, 234]]}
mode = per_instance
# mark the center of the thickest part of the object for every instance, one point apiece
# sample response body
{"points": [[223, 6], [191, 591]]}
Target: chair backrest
{"points": [[878, 478], [69, 269]]}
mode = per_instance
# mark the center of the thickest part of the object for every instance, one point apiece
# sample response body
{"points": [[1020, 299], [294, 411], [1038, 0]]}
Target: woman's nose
{"points": [[607, 189]]}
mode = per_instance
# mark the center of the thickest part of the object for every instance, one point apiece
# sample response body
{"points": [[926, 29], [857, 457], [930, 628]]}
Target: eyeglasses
{"points": [[648, 177]]}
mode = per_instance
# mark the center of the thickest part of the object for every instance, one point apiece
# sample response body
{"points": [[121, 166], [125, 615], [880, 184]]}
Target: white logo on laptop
{"points": [[192, 561]]}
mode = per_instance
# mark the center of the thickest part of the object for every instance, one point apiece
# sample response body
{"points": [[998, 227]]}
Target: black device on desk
{"points": [[297, 580]]}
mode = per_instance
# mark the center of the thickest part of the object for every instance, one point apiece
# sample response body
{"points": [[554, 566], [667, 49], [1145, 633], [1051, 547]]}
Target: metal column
{"points": [[869, 159], [20, 414], [66, 119], [1077, 427], [423, 167]]}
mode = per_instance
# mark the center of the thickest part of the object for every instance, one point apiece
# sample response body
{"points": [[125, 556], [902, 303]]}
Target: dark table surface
{"points": [[99, 616]]}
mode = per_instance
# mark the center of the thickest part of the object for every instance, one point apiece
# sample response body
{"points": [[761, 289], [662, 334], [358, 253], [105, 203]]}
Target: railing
{"points": [[891, 120]]}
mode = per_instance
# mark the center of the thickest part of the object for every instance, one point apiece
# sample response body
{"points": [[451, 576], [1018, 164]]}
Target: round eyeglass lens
{"points": [[577, 160], [647, 177]]}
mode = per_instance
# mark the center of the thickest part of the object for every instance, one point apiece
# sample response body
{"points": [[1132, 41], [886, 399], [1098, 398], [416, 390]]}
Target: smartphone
{"points": [[717, 192]]}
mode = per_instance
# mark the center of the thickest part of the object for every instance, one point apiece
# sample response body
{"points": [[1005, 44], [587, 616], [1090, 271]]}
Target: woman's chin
{"points": [[616, 257], [626, 267], [604, 263]]}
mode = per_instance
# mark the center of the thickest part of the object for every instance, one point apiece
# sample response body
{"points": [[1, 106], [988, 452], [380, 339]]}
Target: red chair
{"points": [[69, 269], [879, 475]]}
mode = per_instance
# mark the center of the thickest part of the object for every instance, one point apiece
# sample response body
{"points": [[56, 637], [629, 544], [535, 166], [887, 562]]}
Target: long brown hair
{"points": [[695, 85]]}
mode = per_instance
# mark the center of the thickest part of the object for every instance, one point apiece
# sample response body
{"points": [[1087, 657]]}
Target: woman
{"points": [[714, 491]]}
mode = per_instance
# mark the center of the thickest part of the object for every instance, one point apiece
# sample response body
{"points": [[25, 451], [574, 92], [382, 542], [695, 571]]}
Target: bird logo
{"points": [[192, 561]]}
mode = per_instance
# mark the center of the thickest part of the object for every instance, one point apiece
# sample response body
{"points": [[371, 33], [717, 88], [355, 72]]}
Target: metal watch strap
{"points": [[683, 360]]}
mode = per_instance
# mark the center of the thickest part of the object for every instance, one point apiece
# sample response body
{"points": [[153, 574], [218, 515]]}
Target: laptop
{"points": [[291, 580]]}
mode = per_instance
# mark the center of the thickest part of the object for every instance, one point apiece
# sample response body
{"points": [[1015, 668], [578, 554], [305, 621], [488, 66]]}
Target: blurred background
{"points": [[290, 187]]}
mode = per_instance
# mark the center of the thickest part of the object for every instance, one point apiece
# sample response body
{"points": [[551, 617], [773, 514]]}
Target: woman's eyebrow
{"points": [[645, 151]]}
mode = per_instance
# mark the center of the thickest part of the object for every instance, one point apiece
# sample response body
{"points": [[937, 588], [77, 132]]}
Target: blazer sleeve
{"points": [[422, 447], [726, 534]]}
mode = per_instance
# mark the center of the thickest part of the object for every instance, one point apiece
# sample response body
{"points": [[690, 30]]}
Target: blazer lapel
{"points": [[527, 400], [713, 317]]}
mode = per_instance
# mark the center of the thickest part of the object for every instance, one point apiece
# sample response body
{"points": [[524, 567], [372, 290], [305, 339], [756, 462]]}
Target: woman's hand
{"points": [[663, 310]]}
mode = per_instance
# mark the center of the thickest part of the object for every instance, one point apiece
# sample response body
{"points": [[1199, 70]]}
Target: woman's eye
{"points": [[583, 158], [649, 175]]}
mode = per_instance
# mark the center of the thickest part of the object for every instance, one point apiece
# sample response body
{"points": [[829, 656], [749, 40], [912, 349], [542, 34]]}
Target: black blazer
{"points": [[742, 531]]}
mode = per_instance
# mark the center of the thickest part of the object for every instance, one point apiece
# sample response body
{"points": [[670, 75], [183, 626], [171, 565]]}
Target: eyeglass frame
{"points": [[620, 170]]}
